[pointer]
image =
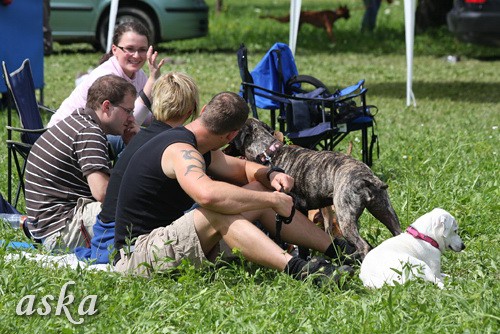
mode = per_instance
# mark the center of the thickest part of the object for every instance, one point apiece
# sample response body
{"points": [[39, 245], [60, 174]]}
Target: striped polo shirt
{"points": [[57, 167]]}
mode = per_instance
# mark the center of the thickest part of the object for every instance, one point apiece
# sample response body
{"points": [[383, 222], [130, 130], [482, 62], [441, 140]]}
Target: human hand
{"points": [[154, 67], [284, 204], [281, 181], [130, 132]]}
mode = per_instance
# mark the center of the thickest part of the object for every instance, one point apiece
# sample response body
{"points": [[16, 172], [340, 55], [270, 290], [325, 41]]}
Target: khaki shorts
{"points": [[163, 248], [79, 231]]}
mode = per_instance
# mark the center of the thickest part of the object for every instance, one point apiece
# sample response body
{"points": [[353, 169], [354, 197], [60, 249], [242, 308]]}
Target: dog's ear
{"points": [[443, 221], [447, 221], [440, 226], [279, 135]]}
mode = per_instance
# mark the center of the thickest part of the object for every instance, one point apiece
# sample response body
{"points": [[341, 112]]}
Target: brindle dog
{"points": [[322, 178]]}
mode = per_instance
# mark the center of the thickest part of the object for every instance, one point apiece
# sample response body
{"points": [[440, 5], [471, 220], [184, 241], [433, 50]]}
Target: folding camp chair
{"points": [[22, 91], [308, 114]]}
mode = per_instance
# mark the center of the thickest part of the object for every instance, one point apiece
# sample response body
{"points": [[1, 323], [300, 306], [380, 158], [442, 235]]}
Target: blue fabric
{"points": [[266, 74], [101, 245], [6, 207], [23, 90], [363, 119], [117, 144], [351, 89], [310, 132], [18, 245]]}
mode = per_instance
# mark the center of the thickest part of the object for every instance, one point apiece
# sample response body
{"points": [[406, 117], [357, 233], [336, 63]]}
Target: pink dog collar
{"points": [[417, 235]]}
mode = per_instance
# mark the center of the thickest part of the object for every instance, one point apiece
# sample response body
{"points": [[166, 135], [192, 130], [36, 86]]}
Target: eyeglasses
{"points": [[127, 110], [132, 51]]}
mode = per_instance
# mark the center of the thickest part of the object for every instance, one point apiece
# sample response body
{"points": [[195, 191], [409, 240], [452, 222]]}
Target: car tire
{"points": [[125, 14]]}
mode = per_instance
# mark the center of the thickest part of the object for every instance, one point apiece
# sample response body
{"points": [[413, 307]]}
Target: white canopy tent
{"points": [[410, 6]]}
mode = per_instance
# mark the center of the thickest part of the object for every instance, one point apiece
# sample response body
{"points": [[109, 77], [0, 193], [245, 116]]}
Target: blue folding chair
{"points": [[22, 92], [307, 113]]}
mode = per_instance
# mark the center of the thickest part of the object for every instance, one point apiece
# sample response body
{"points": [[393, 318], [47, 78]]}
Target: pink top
{"points": [[78, 97]]}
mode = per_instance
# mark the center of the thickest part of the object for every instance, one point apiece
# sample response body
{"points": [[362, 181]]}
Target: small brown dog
{"points": [[320, 19]]}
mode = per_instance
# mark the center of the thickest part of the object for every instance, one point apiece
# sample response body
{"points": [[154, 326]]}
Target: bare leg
{"points": [[238, 233], [301, 231]]}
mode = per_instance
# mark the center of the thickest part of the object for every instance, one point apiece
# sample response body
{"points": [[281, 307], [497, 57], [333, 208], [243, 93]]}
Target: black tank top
{"points": [[148, 199], [108, 211]]}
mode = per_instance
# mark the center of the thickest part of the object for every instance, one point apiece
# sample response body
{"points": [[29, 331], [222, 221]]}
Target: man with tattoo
{"points": [[157, 227]]}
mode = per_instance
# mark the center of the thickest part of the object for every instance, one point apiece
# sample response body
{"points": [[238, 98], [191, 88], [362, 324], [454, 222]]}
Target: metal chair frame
{"points": [[21, 89], [330, 132]]}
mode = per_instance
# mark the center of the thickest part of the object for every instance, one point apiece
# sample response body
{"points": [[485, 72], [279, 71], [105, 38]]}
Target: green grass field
{"points": [[442, 153]]}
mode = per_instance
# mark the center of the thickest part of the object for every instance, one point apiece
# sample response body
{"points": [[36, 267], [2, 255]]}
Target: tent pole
{"points": [[410, 6], [112, 20], [295, 6]]}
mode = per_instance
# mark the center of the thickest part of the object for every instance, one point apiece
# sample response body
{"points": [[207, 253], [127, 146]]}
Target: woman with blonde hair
{"points": [[175, 100]]}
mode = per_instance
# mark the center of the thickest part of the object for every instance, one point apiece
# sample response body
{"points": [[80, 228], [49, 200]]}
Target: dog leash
{"points": [[280, 220], [265, 157]]}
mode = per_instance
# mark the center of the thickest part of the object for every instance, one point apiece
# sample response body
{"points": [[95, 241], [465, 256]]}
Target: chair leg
{"points": [[20, 173], [20, 185], [364, 145], [335, 140], [9, 174], [372, 144]]}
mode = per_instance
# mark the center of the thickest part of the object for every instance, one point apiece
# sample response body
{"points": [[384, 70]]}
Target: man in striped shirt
{"points": [[68, 167]]}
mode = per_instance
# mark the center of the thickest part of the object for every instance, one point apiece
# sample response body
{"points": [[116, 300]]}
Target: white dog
{"points": [[416, 253]]}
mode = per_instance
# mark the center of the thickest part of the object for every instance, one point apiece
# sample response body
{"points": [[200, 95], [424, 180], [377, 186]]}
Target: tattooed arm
{"points": [[240, 172], [184, 163]]}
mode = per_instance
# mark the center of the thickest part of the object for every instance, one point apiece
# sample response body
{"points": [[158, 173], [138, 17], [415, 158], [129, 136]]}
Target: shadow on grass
{"points": [[457, 91], [348, 39]]}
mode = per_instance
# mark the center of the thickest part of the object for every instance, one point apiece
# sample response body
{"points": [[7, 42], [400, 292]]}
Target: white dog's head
{"points": [[441, 226]]}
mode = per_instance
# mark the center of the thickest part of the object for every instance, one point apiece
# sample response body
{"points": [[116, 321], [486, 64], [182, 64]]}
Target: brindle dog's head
{"points": [[343, 11], [253, 139]]}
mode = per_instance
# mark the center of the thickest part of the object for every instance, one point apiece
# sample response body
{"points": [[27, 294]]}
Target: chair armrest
{"points": [[18, 143], [41, 106], [352, 96], [351, 89], [12, 128]]}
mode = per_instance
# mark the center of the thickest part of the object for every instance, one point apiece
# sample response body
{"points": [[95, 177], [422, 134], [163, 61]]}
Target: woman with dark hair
{"points": [[130, 50]]}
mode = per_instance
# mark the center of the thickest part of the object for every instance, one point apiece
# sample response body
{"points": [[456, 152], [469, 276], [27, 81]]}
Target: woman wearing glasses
{"points": [[130, 50]]}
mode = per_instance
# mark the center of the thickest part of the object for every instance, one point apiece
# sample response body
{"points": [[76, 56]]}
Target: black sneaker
{"points": [[321, 271]]}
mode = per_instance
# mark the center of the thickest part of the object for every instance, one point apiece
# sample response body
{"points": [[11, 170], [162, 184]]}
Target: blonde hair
{"points": [[175, 94]]}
